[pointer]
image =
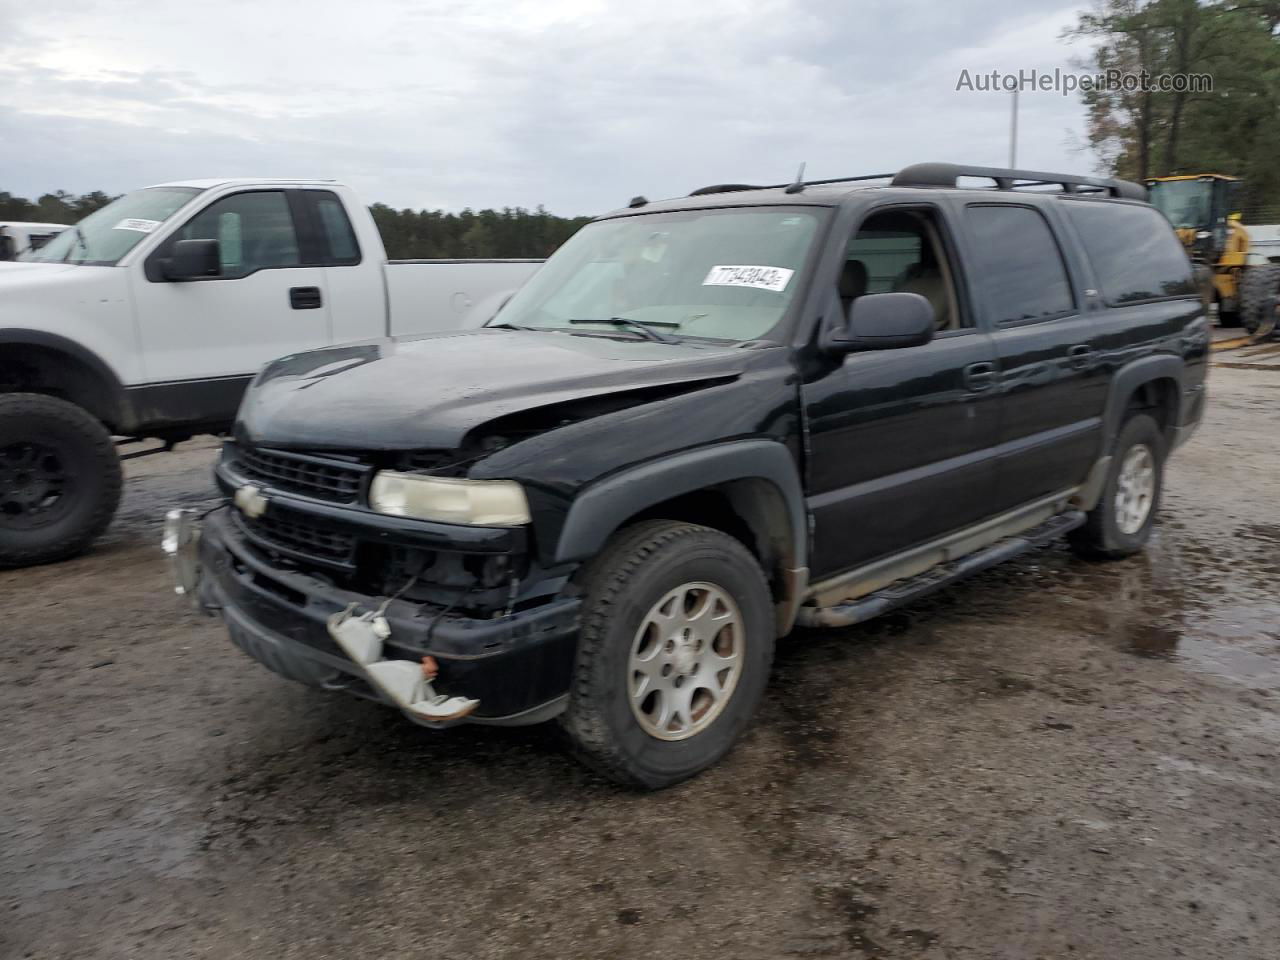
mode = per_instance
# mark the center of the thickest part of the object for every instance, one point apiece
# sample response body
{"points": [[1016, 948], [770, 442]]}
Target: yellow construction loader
{"points": [[1204, 209]]}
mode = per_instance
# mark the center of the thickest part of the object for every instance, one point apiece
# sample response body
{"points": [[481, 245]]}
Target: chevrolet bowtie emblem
{"points": [[251, 501]]}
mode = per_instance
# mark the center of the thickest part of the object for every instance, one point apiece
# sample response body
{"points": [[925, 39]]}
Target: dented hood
{"points": [[429, 392]]}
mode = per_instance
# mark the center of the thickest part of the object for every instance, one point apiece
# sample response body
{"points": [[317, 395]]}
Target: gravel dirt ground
{"points": [[1055, 759]]}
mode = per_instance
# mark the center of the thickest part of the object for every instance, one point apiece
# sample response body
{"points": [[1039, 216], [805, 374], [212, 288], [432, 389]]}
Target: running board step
{"points": [[901, 592], [405, 683]]}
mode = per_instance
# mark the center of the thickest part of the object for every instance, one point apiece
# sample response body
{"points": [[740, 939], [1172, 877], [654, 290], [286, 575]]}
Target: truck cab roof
{"points": [[211, 182]]}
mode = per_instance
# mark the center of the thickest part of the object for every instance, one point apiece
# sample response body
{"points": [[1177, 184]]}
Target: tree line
{"points": [[1232, 129], [512, 232]]}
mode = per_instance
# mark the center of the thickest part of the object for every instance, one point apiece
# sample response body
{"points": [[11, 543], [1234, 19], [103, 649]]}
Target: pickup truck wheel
{"points": [[1121, 522], [674, 652], [60, 479]]}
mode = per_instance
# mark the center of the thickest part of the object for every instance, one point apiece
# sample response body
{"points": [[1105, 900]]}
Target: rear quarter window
{"points": [[1134, 252]]}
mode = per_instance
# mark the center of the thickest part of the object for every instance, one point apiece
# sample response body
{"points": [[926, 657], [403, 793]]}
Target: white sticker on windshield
{"points": [[762, 278], [141, 226]]}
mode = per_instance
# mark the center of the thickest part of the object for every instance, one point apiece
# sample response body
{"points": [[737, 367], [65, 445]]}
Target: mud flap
{"points": [[404, 682]]}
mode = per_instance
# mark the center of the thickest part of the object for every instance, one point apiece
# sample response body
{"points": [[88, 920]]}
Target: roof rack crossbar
{"points": [[949, 174]]}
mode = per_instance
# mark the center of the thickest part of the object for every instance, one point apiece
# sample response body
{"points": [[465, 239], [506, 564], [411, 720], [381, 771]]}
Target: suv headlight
{"points": [[480, 503]]}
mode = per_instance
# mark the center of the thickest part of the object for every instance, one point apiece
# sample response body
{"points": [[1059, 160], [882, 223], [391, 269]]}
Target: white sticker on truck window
{"points": [[141, 226], [762, 278]]}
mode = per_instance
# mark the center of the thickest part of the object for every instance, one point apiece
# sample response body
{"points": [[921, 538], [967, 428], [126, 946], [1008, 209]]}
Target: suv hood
{"points": [[430, 392]]}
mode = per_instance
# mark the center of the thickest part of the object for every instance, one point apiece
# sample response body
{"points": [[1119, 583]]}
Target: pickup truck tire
{"points": [[646, 573], [60, 479], [1120, 524]]}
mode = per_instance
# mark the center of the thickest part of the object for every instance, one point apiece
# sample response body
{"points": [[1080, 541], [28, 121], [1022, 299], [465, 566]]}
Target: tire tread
{"points": [[107, 474]]}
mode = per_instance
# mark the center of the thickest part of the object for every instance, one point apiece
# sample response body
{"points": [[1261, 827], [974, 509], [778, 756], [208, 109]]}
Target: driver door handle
{"points": [[305, 298], [979, 376]]}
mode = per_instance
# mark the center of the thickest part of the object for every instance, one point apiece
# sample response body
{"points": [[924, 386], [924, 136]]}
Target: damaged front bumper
{"points": [[517, 665]]}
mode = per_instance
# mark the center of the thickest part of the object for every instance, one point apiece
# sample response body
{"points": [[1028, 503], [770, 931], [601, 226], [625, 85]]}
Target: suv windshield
{"points": [[726, 274], [108, 234]]}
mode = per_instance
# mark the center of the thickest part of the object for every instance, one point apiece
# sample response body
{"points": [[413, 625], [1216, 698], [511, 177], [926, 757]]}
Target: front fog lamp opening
{"points": [[480, 503]]}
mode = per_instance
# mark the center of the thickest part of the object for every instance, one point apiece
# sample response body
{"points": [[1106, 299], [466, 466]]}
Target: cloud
{"points": [[575, 104]]}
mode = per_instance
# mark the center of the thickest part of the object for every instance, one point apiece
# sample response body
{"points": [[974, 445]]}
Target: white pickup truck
{"points": [[19, 236], [149, 317]]}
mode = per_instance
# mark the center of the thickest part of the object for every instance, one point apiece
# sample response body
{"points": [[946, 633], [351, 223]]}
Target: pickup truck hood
{"points": [[430, 392], [11, 270]]}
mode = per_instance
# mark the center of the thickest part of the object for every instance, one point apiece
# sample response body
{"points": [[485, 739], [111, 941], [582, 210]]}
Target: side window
{"points": [[901, 251], [1134, 252], [1019, 265], [335, 227], [254, 232]]}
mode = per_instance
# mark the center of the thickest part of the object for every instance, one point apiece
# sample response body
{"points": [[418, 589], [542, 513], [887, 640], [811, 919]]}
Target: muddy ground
{"points": [[1056, 759]]}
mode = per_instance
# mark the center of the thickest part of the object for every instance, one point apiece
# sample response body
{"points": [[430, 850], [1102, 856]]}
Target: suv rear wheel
{"points": [[1121, 522], [673, 654], [60, 479]]}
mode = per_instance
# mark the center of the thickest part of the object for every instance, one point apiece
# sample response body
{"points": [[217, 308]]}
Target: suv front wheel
{"points": [[1120, 524], [674, 651]]}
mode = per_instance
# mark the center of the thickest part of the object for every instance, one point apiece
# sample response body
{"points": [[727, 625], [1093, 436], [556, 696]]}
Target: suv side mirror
{"points": [[886, 321], [192, 259]]}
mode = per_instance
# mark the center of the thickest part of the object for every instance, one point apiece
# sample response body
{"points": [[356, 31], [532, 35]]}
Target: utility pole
{"points": [[1013, 132]]}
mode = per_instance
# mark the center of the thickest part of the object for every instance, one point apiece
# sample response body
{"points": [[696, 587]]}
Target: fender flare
{"points": [[1132, 376], [114, 406], [599, 510]]}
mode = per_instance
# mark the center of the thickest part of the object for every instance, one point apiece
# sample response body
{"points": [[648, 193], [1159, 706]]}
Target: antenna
{"points": [[797, 185]]}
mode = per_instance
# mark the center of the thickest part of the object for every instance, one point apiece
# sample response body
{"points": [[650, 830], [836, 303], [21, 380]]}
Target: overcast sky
{"points": [[575, 104]]}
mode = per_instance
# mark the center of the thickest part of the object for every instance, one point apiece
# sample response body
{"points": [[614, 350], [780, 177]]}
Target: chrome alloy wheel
{"points": [[1135, 489], [685, 661]]}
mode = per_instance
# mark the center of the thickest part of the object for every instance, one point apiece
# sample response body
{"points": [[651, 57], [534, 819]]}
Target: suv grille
{"points": [[300, 538], [318, 477]]}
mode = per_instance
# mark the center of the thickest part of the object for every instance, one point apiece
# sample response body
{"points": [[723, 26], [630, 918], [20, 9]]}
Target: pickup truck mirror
{"points": [[885, 321], [192, 259]]}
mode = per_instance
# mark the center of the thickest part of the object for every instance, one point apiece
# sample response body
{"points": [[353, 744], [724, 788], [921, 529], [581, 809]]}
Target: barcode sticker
{"points": [[141, 226], [761, 278]]}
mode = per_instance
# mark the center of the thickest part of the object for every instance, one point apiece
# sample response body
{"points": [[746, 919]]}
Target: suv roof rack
{"points": [[735, 187], [949, 174]]}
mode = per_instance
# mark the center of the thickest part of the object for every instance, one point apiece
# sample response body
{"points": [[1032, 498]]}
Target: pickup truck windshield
{"points": [[106, 235], [726, 274]]}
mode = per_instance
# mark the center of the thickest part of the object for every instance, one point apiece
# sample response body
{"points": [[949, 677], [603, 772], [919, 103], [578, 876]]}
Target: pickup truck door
{"points": [[1052, 386], [899, 440], [204, 339]]}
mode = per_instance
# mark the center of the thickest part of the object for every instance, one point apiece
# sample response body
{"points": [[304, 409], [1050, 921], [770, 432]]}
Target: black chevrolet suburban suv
{"points": [[704, 422]]}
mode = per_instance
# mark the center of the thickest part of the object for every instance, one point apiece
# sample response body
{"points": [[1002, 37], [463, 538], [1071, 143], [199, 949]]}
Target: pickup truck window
{"points": [[725, 274], [336, 229], [1019, 264], [1135, 254], [254, 232], [106, 235]]}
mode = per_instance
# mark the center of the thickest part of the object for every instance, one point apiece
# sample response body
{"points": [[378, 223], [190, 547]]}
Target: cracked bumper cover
{"points": [[518, 666]]}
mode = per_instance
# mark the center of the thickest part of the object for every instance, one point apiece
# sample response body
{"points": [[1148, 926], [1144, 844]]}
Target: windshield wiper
{"points": [[508, 326], [647, 329], [79, 239]]}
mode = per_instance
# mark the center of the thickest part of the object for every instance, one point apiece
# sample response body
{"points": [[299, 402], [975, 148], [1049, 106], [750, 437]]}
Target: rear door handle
{"points": [[979, 376], [1081, 355], [305, 298]]}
